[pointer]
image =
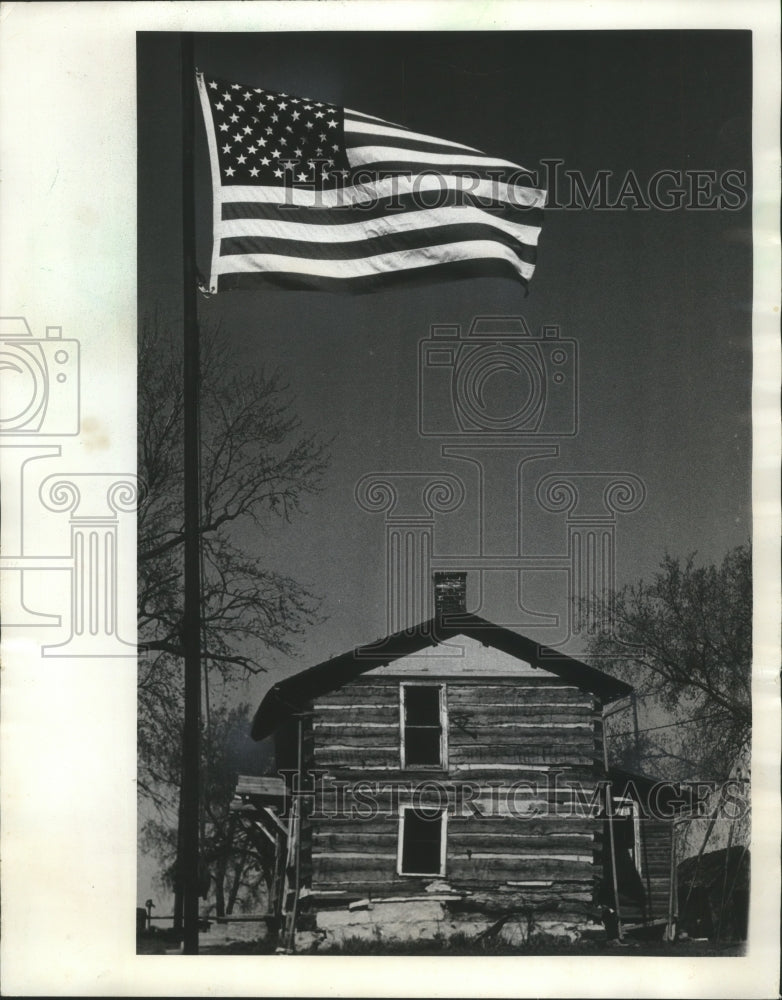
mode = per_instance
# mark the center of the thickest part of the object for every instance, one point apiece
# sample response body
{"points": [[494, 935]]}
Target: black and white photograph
{"points": [[472, 490], [441, 602]]}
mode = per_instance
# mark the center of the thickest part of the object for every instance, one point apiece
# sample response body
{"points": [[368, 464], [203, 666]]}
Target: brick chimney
{"points": [[450, 594]]}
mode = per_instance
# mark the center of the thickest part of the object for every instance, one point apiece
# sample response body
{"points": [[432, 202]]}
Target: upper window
{"points": [[423, 725]]}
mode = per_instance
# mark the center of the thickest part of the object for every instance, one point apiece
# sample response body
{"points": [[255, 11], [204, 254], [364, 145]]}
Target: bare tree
{"points": [[685, 638], [256, 466], [255, 463]]}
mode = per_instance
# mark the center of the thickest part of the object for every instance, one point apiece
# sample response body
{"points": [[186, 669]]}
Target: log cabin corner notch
{"points": [[468, 771]]}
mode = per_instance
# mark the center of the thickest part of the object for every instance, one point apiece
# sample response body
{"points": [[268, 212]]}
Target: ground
{"points": [[682, 949]]}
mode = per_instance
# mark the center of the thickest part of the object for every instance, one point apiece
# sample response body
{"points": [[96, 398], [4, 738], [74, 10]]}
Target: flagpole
{"points": [[188, 866]]}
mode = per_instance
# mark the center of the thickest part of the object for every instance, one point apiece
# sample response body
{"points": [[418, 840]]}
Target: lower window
{"points": [[421, 843]]}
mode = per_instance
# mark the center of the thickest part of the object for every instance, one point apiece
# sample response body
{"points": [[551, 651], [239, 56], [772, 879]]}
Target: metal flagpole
{"points": [[191, 625]]}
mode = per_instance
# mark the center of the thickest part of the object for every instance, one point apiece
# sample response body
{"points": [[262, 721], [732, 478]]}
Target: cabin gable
{"points": [[459, 656]]}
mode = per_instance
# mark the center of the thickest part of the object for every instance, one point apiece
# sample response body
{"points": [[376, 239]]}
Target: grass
{"points": [[541, 945], [463, 945]]}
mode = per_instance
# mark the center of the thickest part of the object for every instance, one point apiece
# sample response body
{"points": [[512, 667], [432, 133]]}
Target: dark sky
{"points": [[659, 302]]}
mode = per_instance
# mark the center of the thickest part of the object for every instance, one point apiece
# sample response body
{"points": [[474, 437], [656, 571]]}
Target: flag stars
{"points": [[259, 119]]}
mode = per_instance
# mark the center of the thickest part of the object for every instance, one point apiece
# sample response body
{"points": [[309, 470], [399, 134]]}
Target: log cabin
{"points": [[453, 780]]}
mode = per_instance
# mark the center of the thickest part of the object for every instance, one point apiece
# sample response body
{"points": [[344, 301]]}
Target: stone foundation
{"points": [[227, 932], [422, 919]]}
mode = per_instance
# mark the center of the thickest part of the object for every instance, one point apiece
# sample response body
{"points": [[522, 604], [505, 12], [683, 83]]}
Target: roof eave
{"points": [[332, 674]]}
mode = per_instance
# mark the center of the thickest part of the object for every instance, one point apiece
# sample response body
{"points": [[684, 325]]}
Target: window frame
{"points": [[443, 763], [443, 817], [630, 810]]}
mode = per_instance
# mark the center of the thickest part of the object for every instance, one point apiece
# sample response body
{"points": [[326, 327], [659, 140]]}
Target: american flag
{"points": [[311, 195]]}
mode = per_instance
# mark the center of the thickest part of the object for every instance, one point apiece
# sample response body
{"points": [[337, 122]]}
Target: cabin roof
{"points": [[292, 695]]}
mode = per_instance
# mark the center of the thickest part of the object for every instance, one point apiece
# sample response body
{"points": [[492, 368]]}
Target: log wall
{"points": [[509, 837]]}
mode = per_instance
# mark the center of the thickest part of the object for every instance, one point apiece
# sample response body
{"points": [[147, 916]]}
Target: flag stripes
{"points": [[465, 222], [430, 188], [339, 249], [379, 209], [310, 195], [368, 280], [358, 132]]}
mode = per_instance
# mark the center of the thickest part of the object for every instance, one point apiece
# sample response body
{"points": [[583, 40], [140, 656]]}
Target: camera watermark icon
{"points": [[40, 380], [410, 502], [41, 399], [499, 379], [501, 400]]}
